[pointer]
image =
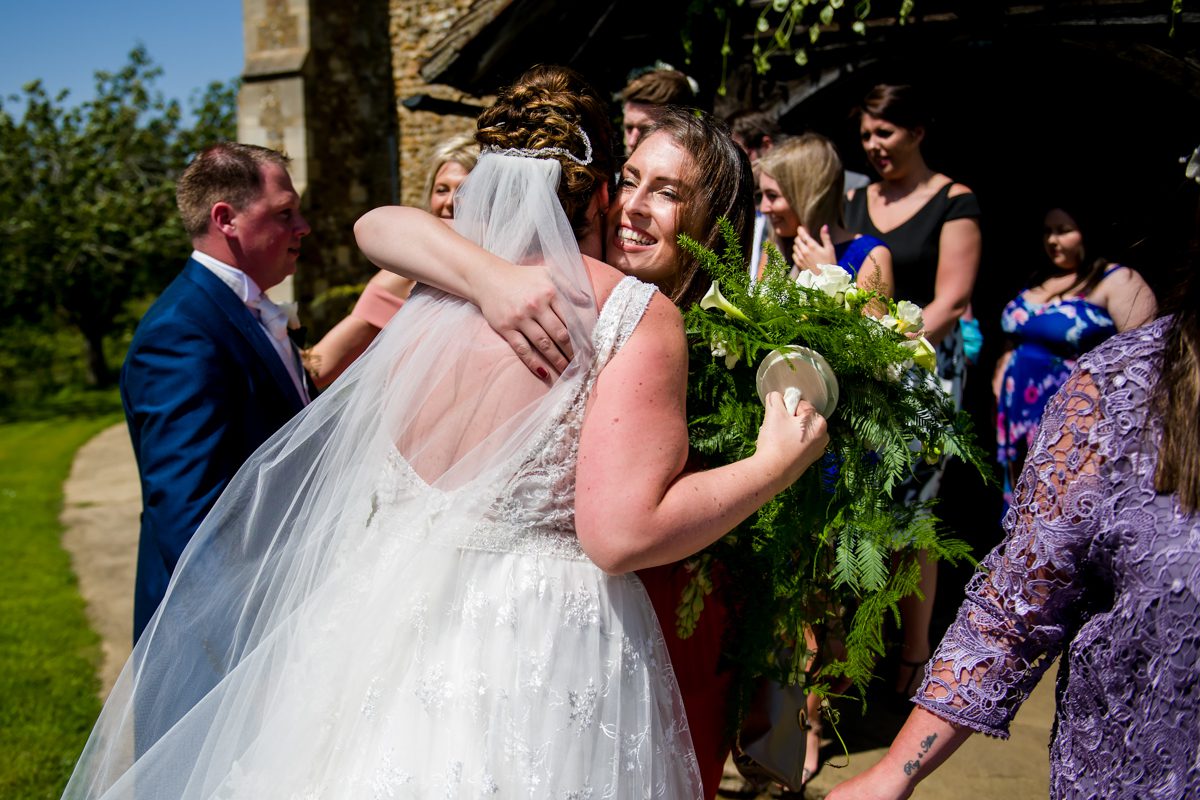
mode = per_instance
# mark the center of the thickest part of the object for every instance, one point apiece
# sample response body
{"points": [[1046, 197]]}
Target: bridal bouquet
{"points": [[834, 546]]}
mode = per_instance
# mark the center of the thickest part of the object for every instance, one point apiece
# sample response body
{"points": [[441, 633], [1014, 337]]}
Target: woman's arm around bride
{"points": [[635, 506]]}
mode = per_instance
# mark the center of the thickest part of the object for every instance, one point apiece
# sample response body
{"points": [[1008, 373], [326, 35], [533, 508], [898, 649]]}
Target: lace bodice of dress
{"points": [[534, 511], [541, 495], [1098, 566]]}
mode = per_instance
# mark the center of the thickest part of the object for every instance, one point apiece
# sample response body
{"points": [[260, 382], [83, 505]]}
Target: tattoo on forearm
{"points": [[912, 766]]}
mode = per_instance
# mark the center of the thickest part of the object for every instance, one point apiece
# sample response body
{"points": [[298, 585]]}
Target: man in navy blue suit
{"points": [[211, 372]]}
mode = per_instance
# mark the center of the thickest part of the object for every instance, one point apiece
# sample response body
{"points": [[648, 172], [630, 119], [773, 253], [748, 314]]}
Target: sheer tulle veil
{"points": [[437, 392]]}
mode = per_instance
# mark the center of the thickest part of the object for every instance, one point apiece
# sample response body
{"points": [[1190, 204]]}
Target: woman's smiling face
{"points": [[775, 207], [643, 219]]}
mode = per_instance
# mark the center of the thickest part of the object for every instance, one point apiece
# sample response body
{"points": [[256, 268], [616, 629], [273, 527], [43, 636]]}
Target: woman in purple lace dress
{"points": [[1101, 565]]}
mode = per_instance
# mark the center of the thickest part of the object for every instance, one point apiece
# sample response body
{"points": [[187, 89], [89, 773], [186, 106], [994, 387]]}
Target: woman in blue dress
{"points": [[802, 184], [1073, 303]]}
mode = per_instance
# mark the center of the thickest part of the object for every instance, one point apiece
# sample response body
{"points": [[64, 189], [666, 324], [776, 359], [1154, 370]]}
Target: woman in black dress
{"points": [[931, 225]]}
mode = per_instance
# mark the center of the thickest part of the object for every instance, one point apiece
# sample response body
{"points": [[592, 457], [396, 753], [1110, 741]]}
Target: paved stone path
{"points": [[101, 505]]}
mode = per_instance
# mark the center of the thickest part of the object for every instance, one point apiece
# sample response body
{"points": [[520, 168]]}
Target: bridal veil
{"points": [[437, 395]]}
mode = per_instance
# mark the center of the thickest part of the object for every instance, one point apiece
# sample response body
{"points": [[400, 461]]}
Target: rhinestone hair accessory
{"points": [[547, 152]]}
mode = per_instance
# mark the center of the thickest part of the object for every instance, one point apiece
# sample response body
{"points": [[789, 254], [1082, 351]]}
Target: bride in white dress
{"points": [[399, 596]]}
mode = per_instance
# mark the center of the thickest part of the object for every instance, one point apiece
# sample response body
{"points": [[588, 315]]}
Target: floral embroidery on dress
{"points": [[1100, 568]]}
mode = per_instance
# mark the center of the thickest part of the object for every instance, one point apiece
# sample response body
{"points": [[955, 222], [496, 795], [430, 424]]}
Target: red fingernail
{"points": [[541, 373]]}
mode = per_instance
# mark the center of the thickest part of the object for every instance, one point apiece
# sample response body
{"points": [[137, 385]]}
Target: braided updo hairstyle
{"points": [[547, 107]]}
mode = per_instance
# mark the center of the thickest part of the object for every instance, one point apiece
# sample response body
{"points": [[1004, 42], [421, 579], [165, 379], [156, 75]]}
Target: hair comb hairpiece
{"points": [[547, 152]]}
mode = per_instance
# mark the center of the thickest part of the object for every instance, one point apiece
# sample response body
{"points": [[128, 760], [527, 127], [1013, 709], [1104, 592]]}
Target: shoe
{"points": [[734, 784]]}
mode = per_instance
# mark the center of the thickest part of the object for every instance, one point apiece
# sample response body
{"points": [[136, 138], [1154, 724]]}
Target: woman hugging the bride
{"points": [[424, 583]]}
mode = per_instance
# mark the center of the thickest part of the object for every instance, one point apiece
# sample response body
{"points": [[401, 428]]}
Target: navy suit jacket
{"points": [[202, 389]]}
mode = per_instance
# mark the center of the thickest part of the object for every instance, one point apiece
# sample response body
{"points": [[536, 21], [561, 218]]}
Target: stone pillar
{"points": [[318, 86], [271, 103]]}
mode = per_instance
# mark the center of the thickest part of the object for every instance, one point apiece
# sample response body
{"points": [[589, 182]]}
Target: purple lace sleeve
{"points": [[1019, 611]]}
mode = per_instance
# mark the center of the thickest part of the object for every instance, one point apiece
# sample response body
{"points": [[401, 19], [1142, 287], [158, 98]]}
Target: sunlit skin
{"points": [[636, 118], [643, 218], [890, 148], [262, 239], [441, 199], [775, 207]]}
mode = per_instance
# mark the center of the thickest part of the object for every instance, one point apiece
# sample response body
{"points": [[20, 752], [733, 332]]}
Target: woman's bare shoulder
{"points": [[957, 188], [604, 278]]}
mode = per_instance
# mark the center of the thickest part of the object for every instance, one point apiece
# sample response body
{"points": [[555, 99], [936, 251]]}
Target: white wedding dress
{"points": [[419, 620]]}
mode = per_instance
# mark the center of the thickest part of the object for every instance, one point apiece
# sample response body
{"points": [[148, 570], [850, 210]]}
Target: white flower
{"points": [[726, 350], [924, 355], [909, 316], [833, 280], [293, 314], [714, 299], [889, 322]]}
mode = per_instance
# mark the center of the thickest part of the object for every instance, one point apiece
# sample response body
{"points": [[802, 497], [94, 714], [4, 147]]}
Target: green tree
{"points": [[87, 204]]}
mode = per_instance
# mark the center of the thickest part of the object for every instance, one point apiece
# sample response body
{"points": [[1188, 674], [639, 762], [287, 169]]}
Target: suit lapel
{"points": [[241, 320]]}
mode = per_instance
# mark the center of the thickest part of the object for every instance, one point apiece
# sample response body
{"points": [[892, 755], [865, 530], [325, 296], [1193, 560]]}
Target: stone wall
{"points": [[317, 85], [325, 82], [416, 26]]}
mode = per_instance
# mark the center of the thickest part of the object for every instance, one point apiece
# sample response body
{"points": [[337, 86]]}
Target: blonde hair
{"points": [[461, 149], [810, 175]]}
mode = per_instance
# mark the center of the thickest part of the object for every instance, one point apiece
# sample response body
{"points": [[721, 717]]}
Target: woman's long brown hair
{"points": [[1177, 396]]}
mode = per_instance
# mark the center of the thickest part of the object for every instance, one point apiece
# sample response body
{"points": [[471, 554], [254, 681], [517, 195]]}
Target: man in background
{"points": [[641, 98], [212, 373]]}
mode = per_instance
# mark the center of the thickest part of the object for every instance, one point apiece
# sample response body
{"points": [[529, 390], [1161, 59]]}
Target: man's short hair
{"points": [[660, 87], [228, 172], [751, 127]]}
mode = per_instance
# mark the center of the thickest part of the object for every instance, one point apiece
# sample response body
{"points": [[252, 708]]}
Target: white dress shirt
{"points": [[253, 297]]}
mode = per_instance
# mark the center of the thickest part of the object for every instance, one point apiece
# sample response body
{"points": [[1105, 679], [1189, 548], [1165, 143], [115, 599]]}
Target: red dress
{"points": [[704, 688]]}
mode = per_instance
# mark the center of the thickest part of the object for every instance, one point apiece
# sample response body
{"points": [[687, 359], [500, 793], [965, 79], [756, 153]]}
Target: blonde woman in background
{"points": [[386, 292], [801, 182]]}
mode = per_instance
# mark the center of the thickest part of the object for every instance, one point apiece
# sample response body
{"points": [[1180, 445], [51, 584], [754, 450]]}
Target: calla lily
{"points": [[911, 318], [714, 299], [923, 354]]}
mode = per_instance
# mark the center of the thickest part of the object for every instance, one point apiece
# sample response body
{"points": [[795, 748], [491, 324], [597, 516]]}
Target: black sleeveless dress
{"points": [[915, 243]]}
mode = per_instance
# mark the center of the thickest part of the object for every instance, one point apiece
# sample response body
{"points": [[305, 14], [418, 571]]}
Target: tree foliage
{"points": [[87, 203]]}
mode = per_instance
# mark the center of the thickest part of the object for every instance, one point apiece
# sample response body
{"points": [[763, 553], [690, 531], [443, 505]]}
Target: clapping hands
{"points": [[808, 252]]}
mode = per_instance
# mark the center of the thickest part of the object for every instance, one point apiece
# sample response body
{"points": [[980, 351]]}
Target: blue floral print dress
{"points": [[1049, 338]]}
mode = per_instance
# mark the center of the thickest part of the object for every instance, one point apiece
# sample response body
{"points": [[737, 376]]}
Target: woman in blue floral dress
{"points": [[1073, 304]]}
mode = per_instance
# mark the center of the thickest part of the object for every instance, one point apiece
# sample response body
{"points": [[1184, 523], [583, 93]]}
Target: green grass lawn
{"points": [[48, 654]]}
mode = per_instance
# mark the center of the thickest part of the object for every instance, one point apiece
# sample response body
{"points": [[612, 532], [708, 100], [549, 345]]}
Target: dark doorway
{"points": [[1028, 122]]}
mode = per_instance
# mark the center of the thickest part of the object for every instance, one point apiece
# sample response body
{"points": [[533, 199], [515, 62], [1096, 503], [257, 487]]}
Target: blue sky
{"points": [[62, 42]]}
